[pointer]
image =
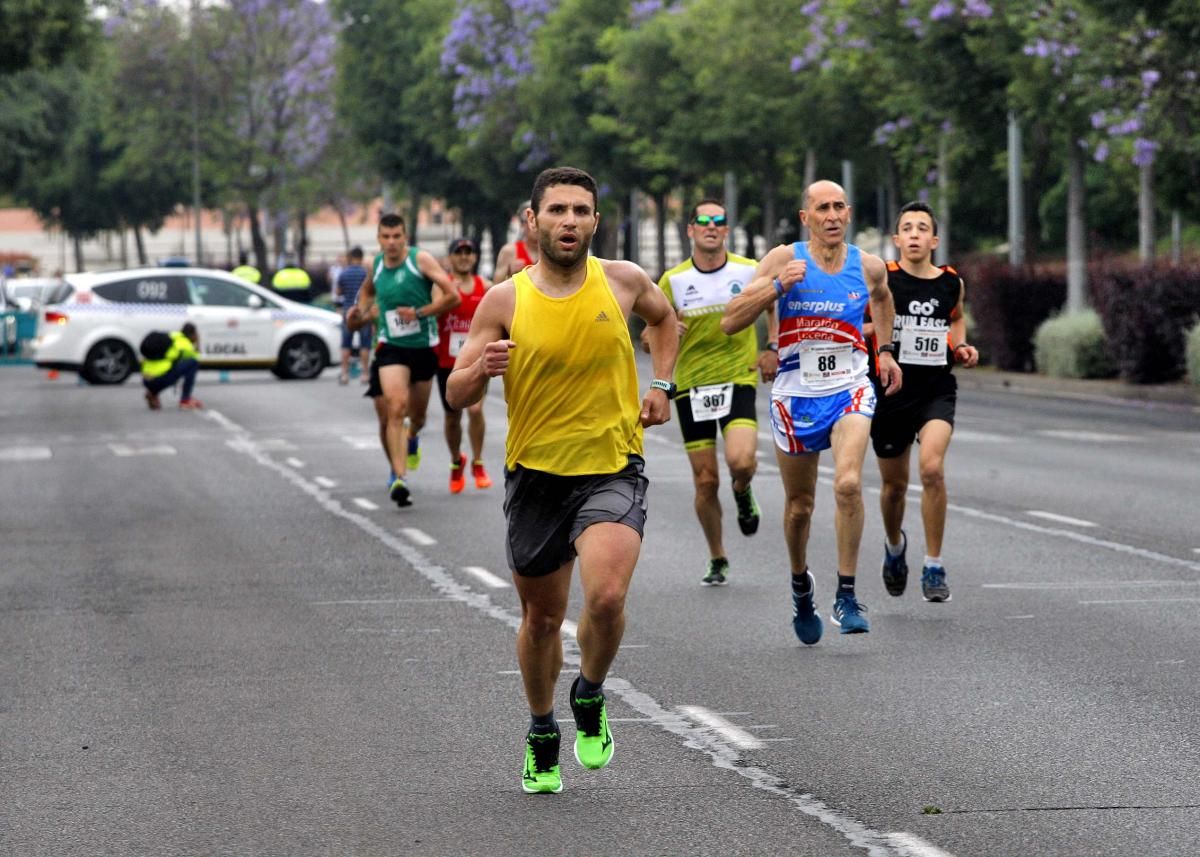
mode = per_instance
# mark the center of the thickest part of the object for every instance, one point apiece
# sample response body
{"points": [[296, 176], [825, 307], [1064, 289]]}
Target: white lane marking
{"points": [[295, 462], [570, 628], [418, 537], [124, 450], [911, 845], [1060, 519], [1023, 616], [1087, 436], [362, 441], [508, 672], [275, 444], [487, 578], [324, 481], [363, 503], [657, 438], [971, 436], [1195, 550], [739, 738], [25, 453], [720, 752], [1144, 601]]}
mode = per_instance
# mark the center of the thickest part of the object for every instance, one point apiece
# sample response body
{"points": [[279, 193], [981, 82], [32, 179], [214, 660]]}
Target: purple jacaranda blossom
{"points": [[931, 177], [813, 7], [884, 133], [904, 122], [947, 126], [1101, 153], [916, 25], [923, 195], [1124, 129], [840, 28], [1107, 82], [1144, 151], [856, 44], [798, 63], [1099, 118], [942, 9], [1149, 78], [976, 9], [644, 10]]}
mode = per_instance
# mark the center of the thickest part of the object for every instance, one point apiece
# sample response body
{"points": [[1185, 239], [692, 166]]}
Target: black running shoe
{"points": [[717, 569], [747, 511], [895, 569]]}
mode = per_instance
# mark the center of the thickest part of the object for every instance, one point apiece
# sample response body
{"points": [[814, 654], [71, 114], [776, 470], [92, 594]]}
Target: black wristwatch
{"points": [[667, 387], [887, 348]]}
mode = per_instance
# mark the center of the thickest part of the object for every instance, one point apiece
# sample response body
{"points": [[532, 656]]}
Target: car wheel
{"points": [[302, 357], [109, 361]]}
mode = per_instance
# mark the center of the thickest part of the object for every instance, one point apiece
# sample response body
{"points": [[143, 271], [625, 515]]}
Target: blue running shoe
{"points": [[391, 478], [933, 583], [848, 614], [895, 569], [805, 621]]}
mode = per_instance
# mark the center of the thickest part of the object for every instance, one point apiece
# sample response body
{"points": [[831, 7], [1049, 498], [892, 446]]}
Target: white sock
{"points": [[895, 550], [933, 562]]}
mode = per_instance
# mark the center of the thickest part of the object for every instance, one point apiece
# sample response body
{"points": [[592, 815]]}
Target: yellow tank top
{"points": [[571, 384]]}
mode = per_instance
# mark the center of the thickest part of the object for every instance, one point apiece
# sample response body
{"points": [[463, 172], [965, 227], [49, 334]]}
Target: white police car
{"points": [[95, 328]]}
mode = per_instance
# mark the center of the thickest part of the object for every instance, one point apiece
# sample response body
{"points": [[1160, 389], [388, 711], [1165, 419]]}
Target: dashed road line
{"points": [[363, 503], [295, 462], [324, 482], [418, 537], [1060, 519], [485, 577], [739, 738], [26, 453], [124, 450]]}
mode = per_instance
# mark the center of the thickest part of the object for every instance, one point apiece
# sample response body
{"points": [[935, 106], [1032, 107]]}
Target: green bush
{"points": [[1072, 345], [1193, 354]]}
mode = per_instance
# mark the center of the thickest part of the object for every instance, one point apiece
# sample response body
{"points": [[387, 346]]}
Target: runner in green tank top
{"points": [[407, 289]]}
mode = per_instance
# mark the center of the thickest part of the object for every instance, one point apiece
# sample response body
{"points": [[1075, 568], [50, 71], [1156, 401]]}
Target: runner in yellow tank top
{"points": [[557, 333]]}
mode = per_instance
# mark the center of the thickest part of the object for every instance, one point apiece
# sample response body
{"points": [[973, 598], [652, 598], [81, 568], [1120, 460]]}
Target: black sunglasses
{"points": [[710, 220]]}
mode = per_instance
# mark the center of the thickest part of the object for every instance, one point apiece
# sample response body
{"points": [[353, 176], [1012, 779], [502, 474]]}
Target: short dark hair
{"points": [[356, 252], [562, 175], [188, 330], [392, 220], [915, 205], [708, 200]]}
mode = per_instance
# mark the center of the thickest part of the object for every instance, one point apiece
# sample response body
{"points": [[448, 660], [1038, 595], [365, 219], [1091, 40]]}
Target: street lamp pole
{"points": [[196, 137]]}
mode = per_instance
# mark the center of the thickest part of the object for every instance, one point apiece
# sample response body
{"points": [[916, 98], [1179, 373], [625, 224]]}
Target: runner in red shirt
{"points": [[453, 328]]}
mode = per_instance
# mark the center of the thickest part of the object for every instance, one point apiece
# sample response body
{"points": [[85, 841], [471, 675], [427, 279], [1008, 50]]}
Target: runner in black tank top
{"points": [[930, 336]]}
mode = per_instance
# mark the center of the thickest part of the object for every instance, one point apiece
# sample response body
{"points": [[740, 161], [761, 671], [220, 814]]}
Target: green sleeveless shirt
{"points": [[404, 286]]}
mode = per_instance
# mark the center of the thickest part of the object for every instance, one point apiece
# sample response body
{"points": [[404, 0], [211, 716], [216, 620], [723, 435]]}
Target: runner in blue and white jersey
{"points": [[822, 397]]}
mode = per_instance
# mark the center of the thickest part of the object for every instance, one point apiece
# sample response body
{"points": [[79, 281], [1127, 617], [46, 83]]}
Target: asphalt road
{"points": [[220, 638]]}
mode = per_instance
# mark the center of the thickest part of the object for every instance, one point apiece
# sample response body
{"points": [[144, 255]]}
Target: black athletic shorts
{"points": [[374, 388], [898, 419], [546, 513], [703, 434], [422, 362]]}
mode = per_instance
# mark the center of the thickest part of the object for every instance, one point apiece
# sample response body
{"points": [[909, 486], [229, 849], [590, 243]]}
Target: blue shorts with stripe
{"points": [[802, 424]]}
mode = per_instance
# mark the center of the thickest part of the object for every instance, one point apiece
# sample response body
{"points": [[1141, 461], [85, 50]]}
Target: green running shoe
{"points": [[717, 569], [542, 774], [414, 452], [748, 513], [593, 738]]}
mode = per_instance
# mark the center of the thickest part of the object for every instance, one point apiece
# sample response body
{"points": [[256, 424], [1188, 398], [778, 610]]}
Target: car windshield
{"points": [[209, 291]]}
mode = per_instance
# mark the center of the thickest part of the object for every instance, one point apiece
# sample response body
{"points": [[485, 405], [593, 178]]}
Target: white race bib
{"points": [[457, 341], [398, 327], [826, 364], [712, 402], [922, 346]]}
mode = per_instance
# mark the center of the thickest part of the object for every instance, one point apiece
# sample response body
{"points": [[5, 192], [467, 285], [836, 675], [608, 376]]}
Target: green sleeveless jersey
{"points": [[405, 286]]}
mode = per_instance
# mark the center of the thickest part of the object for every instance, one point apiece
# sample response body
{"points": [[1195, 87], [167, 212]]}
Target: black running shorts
{"points": [[898, 419], [546, 513], [703, 434], [421, 362]]}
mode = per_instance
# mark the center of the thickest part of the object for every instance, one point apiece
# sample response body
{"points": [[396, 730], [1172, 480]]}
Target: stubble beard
{"points": [[549, 250]]}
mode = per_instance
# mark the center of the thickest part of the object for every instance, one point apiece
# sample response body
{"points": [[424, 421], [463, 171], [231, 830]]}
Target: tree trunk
{"points": [[1016, 195], [633, 228], [124, 248], [810, 176], [1076, 231], [942, 255], [140, 244], [414, 212], [302, 239], [256, 239], [770, 221], [341, 213], [660, 231], [1146, 213], [77, 242]]}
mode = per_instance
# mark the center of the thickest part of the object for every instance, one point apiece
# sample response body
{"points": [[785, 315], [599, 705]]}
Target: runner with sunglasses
{"points": [[717, 377], [454, 327]]}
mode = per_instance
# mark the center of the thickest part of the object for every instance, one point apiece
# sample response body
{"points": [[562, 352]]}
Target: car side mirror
{"points": [[255, 302]]}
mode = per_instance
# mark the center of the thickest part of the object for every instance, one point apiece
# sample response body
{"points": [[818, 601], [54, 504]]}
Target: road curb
{"points": [[1178, 396]]}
